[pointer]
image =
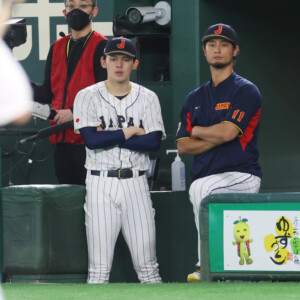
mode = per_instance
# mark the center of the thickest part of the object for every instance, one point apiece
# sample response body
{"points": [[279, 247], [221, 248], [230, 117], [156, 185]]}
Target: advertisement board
{"points": [[254, 237]]}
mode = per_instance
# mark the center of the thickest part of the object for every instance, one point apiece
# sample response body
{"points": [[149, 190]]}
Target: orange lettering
{"points": [[220, 106]]}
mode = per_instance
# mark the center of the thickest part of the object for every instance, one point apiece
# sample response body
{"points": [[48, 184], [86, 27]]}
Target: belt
{"points": [[120, 173]]}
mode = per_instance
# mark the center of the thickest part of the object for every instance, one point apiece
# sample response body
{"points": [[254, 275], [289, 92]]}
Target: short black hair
{"points": [[94, 2]]}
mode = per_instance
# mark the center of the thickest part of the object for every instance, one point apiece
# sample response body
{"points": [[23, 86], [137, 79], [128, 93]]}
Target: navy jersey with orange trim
{"points": [[234, 100]]}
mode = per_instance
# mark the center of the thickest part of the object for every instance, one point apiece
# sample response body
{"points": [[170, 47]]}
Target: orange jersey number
{"points": [[237, 112]]}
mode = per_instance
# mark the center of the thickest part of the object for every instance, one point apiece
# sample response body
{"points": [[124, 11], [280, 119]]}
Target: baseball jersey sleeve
{"points": [[184, 126], [245, 108], [84, 112], [153, 118]]}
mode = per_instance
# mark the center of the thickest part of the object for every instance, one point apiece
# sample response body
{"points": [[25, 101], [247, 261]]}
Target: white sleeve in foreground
{"points": [[16, 93]]}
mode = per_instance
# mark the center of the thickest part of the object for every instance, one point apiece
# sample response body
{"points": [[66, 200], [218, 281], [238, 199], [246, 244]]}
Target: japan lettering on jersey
{"points": [[95, 106]]}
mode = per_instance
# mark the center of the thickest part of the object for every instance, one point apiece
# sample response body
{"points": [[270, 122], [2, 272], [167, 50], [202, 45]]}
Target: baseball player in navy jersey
{"points": [[120, 122], [219, 126]]}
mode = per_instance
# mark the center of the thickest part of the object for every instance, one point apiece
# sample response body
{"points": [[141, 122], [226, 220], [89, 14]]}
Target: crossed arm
{"points": [[205, 138], [132, 138]]}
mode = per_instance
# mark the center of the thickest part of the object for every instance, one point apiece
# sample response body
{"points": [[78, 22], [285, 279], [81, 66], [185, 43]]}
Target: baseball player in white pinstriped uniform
{"points": [[219, 125], [120, 122]]}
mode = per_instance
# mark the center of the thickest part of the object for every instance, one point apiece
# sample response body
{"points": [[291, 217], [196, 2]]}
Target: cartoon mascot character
{"points": [[241, 234]]}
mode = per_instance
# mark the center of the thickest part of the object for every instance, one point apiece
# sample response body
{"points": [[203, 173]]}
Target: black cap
{"points": [[220, 31], [120, 45]]}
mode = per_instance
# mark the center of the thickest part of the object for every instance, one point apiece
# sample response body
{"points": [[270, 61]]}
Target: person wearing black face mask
{"points": [[78, 19], [73, 63]]}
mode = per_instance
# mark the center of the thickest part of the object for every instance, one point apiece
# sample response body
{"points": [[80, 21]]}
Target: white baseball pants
{"points": [[112, 205], [228, 182]]}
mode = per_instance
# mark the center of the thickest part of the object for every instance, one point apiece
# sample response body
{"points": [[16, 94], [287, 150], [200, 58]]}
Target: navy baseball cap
{"points": [[220, 31], [120, 45]]}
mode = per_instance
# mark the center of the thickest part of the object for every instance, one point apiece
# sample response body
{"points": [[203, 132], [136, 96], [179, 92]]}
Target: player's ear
{"points": [[135, 64], [236, 51], [95, 11], [204, 50], [103, 63], [64, 13]]}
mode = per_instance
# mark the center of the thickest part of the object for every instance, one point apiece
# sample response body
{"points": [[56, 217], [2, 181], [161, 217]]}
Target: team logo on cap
{"points": [[219, 30], [121, 45]]}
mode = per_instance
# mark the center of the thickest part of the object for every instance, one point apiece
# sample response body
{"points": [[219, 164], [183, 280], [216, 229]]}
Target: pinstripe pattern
{"points": [[113, 205], [228, 182], [140, 104]]}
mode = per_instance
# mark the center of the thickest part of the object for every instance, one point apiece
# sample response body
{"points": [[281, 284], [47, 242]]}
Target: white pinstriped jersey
{"points": [[95, 106]]}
